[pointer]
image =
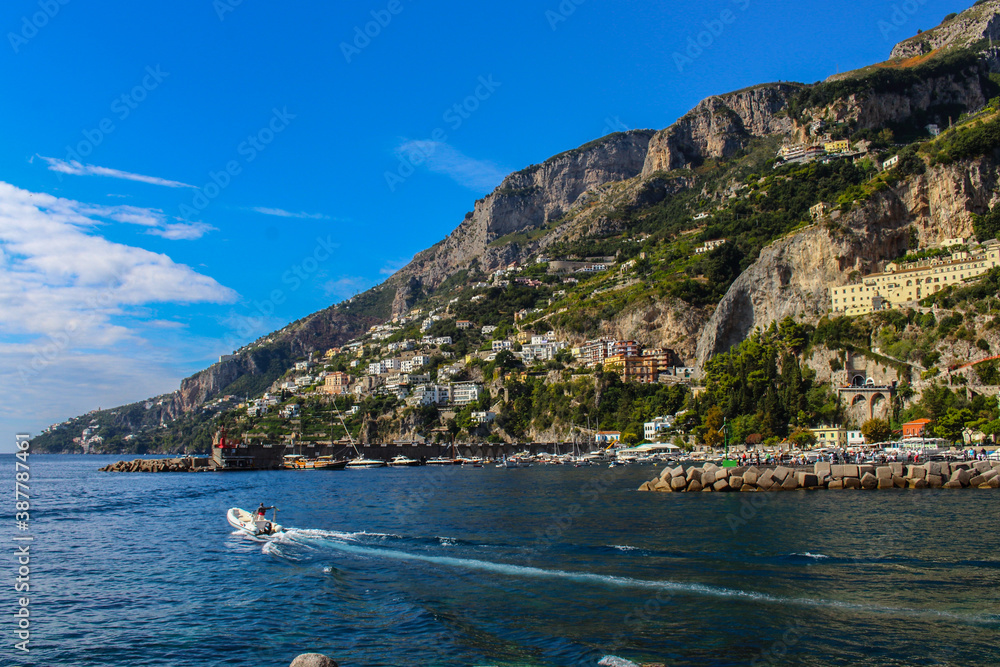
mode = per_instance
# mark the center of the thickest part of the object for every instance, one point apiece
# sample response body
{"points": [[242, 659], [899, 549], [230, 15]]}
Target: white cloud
{"points": [[281, 213], [182, 231], [346, 286], [60, 279], [442, 158], [75, 168]]}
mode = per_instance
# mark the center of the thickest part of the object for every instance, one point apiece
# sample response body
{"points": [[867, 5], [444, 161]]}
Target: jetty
{"points": [[824, 475]]}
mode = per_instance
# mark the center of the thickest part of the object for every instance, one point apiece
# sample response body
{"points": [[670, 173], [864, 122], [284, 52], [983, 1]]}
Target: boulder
{"points": [[765, 480], [678, 483], [866, 469], [935, 481], [807, 479], [709, 467], [945, 468], [662, 486], [790, 483], [721, 485], [694, 474], [933, 467], [952, 485], [781, 473], [852, 483], [754, 469], [964, 465], [707, 478], [982, 466], [837, 471], [884, 472], [694, 486], [722, 473], [994, 482], [977, 480], [707, 489], [822, 469], [748, 487], [885, 483], [990, 474], [996, 465], [897, 468], [899, 482], [313, 660], [869, 481], [736, 481], [916, 472], [917, 483], [677, 472], [751, 475], [836, 484], [961, 476], [851, 471], [644, 486]]}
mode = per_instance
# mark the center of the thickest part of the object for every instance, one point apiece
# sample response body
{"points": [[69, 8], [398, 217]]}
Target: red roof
{"points": [[918, 422]]}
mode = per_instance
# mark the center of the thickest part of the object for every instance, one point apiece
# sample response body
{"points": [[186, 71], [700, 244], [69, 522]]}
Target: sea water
{"points": [[549, 565]]}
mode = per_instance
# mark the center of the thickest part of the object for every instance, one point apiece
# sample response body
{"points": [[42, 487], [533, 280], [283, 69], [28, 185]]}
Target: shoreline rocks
{"points": [[823, 475], [183, 464]]}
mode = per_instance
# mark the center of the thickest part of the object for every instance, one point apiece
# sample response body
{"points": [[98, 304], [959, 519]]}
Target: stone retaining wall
{"points": [[932, 475]]}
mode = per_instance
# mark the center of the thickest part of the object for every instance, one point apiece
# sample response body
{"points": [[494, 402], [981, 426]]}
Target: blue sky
{"points": [[166, 167]]}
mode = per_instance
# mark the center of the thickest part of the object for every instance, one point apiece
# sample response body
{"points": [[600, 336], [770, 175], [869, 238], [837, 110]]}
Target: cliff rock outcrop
{"points": [[719, 126], [974, 24], [793, 275]]}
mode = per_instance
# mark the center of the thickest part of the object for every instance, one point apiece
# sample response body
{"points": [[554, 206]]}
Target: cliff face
{"points": [[792, 276], [314, 334], [974, 24], [526, 200], [876, 109], [720, 126]]}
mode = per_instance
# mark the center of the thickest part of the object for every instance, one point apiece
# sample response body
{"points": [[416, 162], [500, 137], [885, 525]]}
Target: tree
{"points": [[802, 437], [951, 425], [876, 430]]}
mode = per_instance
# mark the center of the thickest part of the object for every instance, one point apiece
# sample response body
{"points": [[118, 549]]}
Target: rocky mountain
{"points": [[981, 22], [596, 191]]}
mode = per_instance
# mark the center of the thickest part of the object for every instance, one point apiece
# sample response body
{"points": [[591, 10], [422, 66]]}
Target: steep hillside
{"points": [[646, 201]]}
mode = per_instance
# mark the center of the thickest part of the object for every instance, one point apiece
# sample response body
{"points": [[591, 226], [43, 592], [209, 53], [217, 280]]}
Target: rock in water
{"points": [[313, 660]]}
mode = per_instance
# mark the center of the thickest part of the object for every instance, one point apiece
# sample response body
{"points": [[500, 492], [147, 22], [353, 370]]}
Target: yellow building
{"points": [[841, 146], [901, 284], [831, 436]]}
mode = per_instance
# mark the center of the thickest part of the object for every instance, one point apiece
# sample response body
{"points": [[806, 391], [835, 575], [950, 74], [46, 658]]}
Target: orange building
{"points": [[918, 428]]}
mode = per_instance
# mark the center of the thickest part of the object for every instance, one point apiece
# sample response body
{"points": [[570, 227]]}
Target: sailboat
{"points": [[360, 461]]}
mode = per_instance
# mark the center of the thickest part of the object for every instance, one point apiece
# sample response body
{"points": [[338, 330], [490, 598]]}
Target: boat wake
{"points": [[285, 545]]}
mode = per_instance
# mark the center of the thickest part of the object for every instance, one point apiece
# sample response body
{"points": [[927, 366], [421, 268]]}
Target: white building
{"points": [[465, 392], [488, 329], [483, 417], [652, 429], [499, 345], [431, 394]]}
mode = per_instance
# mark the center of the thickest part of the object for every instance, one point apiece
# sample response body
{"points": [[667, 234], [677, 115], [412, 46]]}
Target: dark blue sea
{"points": [[549, 565]]}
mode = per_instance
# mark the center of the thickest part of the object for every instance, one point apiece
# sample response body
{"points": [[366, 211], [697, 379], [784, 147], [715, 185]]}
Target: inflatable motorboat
{"points": [[255, 525]]}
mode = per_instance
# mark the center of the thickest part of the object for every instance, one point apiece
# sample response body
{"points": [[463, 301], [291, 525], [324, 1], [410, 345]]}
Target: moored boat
{"points": [[403, 462], [362, 462]]}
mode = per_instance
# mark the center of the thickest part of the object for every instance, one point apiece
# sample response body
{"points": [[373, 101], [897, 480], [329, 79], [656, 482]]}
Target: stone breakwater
{"points": [[931, 475], [184, 464]]}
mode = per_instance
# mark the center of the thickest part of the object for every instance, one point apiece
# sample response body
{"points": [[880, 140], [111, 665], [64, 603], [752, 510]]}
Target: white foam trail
{"points": [[623, 547], [810, 555], [606, 580]]}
